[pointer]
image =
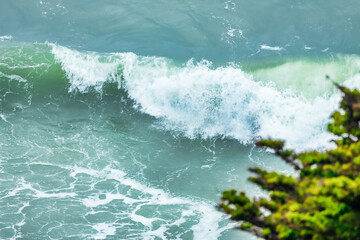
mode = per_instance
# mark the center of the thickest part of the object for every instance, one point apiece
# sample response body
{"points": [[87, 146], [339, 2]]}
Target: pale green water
{"points": [[108, 129]]}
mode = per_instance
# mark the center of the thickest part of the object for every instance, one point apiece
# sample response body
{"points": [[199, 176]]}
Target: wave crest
{"points": [[197, 99]]}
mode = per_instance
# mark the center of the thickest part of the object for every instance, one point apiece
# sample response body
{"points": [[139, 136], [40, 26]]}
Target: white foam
{"points": [[229, 5], [198, 100], [104, 230], [232, 32], [13, 77], [85, 70], [95, 201], [5, 38], [2, 116], [23, 185], [353, 82], [203, 229], [209, 217], [275, 48], [41, 194]]}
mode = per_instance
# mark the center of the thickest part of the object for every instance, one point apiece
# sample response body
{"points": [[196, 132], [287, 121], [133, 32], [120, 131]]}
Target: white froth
{"points": [[13, 77], [198, 100], [95, 201], [353, 82], [204, 229], [85, 70], [5, 38], [209, 217], [275, 48], [104, 230]]}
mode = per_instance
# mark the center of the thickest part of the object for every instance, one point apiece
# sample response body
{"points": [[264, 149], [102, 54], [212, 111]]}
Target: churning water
{"points": [[127, 119]]}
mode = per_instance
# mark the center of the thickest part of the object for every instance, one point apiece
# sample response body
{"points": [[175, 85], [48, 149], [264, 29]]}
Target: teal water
{"points": [[126, 120]]}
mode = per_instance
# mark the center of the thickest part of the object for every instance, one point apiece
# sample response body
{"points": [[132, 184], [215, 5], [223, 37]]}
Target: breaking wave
{"points": [[198, 99]]}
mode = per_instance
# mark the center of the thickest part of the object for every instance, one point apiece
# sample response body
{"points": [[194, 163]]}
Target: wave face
{"points": [[197, 99]]}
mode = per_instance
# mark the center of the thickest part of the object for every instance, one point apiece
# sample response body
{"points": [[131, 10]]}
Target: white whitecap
{"points": [[5, 38], [274, 48]]}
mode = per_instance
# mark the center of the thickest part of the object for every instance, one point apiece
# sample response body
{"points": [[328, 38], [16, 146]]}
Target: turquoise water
{"points": [[127, 119]]}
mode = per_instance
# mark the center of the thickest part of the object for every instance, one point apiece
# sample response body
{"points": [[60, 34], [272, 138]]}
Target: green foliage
{"points": [[323, 202]]}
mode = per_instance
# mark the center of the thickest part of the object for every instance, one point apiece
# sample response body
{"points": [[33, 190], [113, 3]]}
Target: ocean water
{"points": [[127, 119]]}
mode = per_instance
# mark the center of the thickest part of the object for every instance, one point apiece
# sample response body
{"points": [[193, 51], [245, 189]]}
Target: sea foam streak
{"points": [[266, 47], [207, 227], [198, 100]]}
